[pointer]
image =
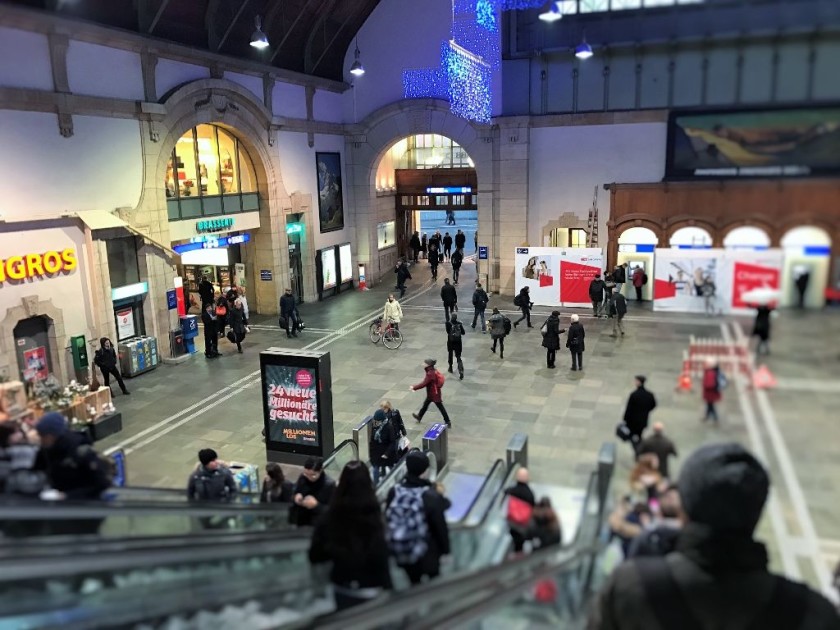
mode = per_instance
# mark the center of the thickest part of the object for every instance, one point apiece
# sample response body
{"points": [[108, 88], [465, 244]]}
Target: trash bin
{"points": [[436, 440], [176, 342]]}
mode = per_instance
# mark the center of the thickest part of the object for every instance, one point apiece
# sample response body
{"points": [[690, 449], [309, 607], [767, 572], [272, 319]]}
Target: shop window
{"points": [[577, 237], [386, 233], [207, 156], [228, 163], [122, 261]]}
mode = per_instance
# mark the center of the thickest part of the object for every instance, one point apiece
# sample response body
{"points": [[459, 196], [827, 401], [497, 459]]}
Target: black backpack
{"points": [[455, 331], [517, 300], [506, 323]]}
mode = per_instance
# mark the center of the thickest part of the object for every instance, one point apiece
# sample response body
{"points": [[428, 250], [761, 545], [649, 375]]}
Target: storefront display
{"points": [[328, 276], [345, 258]]}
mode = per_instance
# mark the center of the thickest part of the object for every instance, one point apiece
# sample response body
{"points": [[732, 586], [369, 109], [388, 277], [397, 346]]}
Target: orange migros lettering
{"points": [[38, 265]]}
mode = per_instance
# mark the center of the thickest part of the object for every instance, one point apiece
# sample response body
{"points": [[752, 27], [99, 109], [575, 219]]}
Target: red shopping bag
{"points": [[546, 281]]}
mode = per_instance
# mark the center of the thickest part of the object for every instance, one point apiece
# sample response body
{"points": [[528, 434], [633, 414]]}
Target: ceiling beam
{"points": [[291, 28], [331, 42], [158, 15], [232, 23], [316, 30]]}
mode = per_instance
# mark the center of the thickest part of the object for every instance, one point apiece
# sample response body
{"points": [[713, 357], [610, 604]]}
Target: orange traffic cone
{"points": [[763, 378], [684, 382]]}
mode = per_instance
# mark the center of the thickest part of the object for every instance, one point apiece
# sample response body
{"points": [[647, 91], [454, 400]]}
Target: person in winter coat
{"points": [[711, 389], [211, 481], [460, 240], [525, 305], [275, 487], [547, 531], [206, 292], [415, 245], [236, 320], [454, 335], [457, 259], [289, 313], [551, 338], [416, 518], [618, 309], [575, 342], [424, 245], [433, 381], [17, 460], [403, 274], [395, 419], [240, 291], [382, 446], [620, 277], [393, 312], [520, 491], [637, 412], [434, 258], [717, 577], [106, 359], [312, 494], [447, 245], [351, 535], [479, 302], [660, 446], [449, 296], [211, 335], [638, 282], [761, 329], [596, 293], [436, 240], [497, 332]]}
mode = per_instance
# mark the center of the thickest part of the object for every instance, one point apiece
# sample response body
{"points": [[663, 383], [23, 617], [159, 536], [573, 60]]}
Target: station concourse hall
{"points": [[445, 314]]}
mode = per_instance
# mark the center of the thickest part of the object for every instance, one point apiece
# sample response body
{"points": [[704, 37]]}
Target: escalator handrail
{"points": [[463, 521], [346, 443]]}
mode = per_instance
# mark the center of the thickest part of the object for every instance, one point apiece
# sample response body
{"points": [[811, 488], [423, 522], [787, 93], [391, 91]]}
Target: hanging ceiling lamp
{"points": [[259, 40], [583, 50], [552, 12], [357, 69]]}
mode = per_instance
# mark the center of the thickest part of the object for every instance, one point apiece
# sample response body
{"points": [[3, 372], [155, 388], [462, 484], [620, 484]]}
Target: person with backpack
{"points": [[351, 535], [211, 481], [718, 575], [596, 293], [382, 445], [479, 301], [713, 382], [523, 301], [106, 359], [433, 382], [454, 334], [456, 259], [499, 329], [639, 280], [620, 277], [520, 509], [618, 309], [418, 534], [575, 342], [447, 246], [551, 337], [449, 296]]}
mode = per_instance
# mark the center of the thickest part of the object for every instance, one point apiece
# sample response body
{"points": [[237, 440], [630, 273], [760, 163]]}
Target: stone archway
{"points": [[33, 306]]}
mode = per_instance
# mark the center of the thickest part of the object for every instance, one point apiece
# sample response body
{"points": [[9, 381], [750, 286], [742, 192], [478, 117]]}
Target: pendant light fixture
{"points": [[259, 40], [552, 12], [357, 69], [583, 50]]}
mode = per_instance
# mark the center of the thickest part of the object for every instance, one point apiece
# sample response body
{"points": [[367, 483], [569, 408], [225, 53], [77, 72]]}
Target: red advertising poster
{"points": [[749, 276], [36, 364], [574, 281]]}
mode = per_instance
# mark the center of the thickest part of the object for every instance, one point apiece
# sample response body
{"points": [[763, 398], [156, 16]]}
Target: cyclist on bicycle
{"points": [[393, 313]]}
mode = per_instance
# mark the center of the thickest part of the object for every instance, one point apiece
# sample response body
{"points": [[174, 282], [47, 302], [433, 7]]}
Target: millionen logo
{"points": [[37, 265]]}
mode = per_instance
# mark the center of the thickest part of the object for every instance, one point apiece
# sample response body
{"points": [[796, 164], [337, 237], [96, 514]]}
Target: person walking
{"points": [[393, 313], [447, 246], [712, 380], [639, 405], [575, 342], [638, 282], [618, 309], [222, 307], [415, 513], [718, 575], [620, 277], [523, 301], [435, 239], [289, 313], [236, 320], [382, 445], [454, 334], [449, 295], [551, 337], [211, 480], [211, 335], [424, 245], [460, 240], [479, 301], [433, 382], [456, 259], [351, 536], [497, 331], [312, 493], [415, 244], [206, 291], [660, 446], [596, 293], [106, 359], [434, 259], [801, 283], [761, 329], [403, 274], [707, 290], [520, 510]]}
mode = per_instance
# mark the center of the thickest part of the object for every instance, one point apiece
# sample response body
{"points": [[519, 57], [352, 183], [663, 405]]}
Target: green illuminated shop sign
{"points": [[213, 225], [294, 228]]}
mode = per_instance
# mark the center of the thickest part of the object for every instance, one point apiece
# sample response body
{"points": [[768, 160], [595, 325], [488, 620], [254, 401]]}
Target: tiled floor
{"points": [[176, 410]]}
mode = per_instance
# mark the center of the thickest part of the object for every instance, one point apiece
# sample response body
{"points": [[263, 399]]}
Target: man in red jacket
{"points": [[433, 382]]}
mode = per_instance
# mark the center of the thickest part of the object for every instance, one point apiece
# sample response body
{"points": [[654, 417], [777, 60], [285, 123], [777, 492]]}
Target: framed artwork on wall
{"points": [[330, 194]]}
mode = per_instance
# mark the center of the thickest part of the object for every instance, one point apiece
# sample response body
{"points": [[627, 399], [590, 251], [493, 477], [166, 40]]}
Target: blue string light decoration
{"points": [[469, 79]]}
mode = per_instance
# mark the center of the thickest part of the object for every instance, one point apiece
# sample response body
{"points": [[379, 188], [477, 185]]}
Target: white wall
{"points": [[102, 71], [328, 106], [566, 163], [170, 74], [16, 46], [98, 168], [250, 83], [289, 100]]}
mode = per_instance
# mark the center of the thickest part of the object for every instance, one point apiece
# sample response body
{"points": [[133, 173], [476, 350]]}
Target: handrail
{"points": [[334, 455]]}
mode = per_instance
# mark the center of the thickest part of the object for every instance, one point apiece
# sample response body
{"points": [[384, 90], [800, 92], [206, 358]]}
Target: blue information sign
{"points": [[482, 252], [434, 431], [171, 300], [265, 275]]}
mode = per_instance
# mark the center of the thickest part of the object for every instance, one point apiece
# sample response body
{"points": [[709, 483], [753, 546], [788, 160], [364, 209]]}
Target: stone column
{"points": [[511, 163]]}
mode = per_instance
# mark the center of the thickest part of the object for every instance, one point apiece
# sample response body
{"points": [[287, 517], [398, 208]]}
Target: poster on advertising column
{"points": [[578, 268], [679, 275], [751, 270], [297, 404]]}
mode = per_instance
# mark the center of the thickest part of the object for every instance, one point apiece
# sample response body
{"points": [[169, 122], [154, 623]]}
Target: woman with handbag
{"points": [[551, 332], [236, 319], [520, 510]]}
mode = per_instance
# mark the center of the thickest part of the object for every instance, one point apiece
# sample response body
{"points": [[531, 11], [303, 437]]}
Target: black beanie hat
{"points": [[417, 462], [724, 487]]}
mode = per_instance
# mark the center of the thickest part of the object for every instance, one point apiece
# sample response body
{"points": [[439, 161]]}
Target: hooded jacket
{"points": [[105, 358]]}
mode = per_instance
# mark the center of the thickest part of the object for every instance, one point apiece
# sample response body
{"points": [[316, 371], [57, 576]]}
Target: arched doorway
{"points": [[691, 238], [807, 266], [747, 237], [636, 247]]}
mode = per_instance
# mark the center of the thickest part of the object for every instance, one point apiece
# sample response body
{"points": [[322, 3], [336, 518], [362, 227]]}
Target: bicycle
{"points": [[391, 337]]}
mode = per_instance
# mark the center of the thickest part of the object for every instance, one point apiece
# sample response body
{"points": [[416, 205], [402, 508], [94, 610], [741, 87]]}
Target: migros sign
{"points": [[38, 265]]}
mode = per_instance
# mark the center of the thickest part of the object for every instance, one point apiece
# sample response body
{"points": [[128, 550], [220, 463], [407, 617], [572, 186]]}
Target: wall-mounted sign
{"points": [[171, 300], [125, 324], [482, 252], [294, 228], [37, 265], [214, 225], [265, 275], [448, 190], [212, 243]]}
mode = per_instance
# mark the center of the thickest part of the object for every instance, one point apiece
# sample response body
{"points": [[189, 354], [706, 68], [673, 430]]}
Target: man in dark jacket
{"points": [[447, 245], [312, 494], [523, 301], [403, 274], [639, 406], [73, 468], [520, 491], [618, 309], [206, 292], [454, 335], [431, 383], [449, 295], [717, 577], [415, 244], [434, 258], [460, 240], [456, 260], [211, 481], [619, 277], [596, 293], [106, 359], [660, 446], [433, 512], [211, 334], [289, 312], [479, 301]]}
